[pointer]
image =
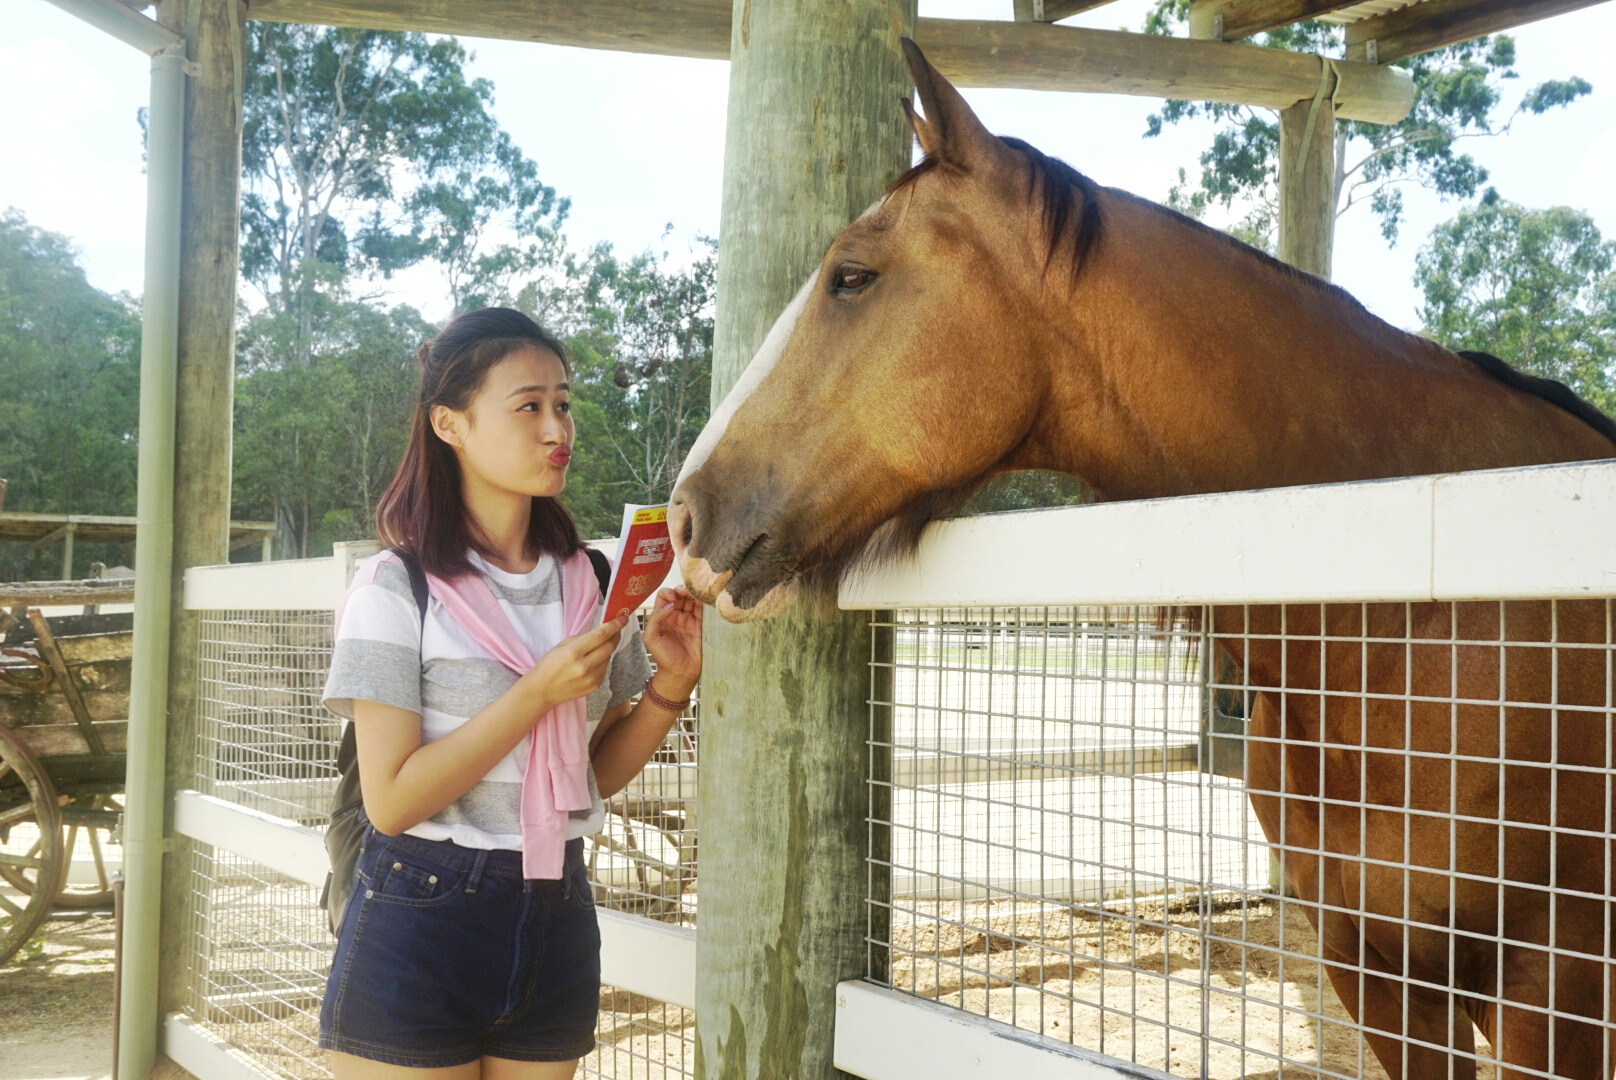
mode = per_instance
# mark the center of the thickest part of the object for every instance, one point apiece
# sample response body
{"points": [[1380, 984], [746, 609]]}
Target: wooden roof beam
{"points": [[1231, 20], [1434, 24], [971, 53], [1053, 10]]}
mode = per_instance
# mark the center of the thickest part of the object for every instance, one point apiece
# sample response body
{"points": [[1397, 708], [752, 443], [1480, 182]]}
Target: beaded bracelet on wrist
{"points": [[663, 703]]}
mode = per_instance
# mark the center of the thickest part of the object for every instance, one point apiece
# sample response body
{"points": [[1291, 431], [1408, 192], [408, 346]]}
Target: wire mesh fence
{"points": [[259, 949], [644, 860], [1340, 841], [263, 738], [639, 1038]]}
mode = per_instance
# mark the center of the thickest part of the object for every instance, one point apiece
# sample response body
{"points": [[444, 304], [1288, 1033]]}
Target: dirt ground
{"points": [[56, 1001], [1127, 983]]}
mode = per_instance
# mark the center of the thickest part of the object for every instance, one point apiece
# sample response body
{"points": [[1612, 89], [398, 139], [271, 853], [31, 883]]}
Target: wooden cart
{"points": [[64, 708]]}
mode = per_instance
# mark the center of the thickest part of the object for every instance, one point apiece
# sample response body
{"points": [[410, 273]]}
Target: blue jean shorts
{"points": [[446, 955]]}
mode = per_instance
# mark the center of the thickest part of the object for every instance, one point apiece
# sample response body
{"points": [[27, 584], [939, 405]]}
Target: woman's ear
{"points": [[447, 425]]}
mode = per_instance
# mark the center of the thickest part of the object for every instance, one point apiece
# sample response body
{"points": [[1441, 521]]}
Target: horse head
{"points": [[901, 376], [997, 310]]}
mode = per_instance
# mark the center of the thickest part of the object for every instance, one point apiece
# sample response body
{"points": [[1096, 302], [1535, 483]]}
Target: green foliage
{"points": [[1534, 287], [1031, 489], [365, 153], [318, 440], [641, 335], [1458, 94], [71, 358]]}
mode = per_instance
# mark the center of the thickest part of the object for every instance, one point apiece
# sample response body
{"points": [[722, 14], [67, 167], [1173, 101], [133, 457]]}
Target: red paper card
{"points": [[644, 557]]}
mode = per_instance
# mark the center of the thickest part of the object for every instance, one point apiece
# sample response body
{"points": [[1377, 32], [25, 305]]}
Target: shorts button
{"points": [[369, 893], [398, 866], [433, 880]]}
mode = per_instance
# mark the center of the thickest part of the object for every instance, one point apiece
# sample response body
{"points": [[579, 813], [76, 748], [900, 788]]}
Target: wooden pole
{"points": [[215, 39], [1307, 184], [814, 135], [67, 553]]}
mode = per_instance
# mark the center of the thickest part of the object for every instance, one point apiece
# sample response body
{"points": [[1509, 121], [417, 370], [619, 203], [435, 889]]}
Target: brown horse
{"points": [[996, 311]]}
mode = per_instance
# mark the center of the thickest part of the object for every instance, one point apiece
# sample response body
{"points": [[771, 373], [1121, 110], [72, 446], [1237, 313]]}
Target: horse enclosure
{"points": [[1083, 882], [1062, 837]]}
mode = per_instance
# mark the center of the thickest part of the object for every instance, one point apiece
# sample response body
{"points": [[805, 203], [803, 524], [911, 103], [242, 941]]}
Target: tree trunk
{"points": [[815, 134]]}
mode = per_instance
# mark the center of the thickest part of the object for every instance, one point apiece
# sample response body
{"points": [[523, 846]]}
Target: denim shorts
{"points": [[446, 955]]}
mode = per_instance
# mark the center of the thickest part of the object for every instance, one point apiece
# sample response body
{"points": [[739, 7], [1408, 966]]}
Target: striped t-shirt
{"points": [[385, 653]]}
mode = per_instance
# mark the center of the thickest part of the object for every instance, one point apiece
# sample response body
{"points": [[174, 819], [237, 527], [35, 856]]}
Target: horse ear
{"points": [[949, 131], [925, 134]]}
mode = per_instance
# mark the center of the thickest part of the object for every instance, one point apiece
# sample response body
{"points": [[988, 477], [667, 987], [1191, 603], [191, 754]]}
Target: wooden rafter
{"points": [[972, 53], [1434, 24], [1231, 20], [1053, 10]]}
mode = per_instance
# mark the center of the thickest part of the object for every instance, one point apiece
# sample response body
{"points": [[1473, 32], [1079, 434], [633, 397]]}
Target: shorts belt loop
{"points": [[477, 866]]}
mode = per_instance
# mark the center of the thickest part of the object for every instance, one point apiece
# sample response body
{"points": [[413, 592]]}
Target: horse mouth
{"points": [[737, 605], [754, 587]]}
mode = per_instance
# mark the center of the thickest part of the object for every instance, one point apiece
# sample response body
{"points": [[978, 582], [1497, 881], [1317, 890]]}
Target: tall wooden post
{"points": [[1307, 184], [815, 134], [214, 33]]}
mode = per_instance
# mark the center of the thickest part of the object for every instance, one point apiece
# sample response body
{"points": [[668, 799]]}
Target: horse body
{"points": [[1428, 771]]}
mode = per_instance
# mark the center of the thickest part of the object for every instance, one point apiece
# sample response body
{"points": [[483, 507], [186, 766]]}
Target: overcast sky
{"points": [[637, 141]]}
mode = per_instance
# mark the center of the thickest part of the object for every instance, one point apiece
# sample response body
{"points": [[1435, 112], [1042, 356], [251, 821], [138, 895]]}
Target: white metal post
{"points": [[154, 544]]}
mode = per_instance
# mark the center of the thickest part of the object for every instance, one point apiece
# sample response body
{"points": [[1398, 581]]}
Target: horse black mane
{"points": [[1071, 210], [1551, 390]]}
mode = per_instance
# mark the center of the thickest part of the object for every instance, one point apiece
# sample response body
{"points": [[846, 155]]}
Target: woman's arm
{"points": [[405, 782], [673, 638], [628, 744]]}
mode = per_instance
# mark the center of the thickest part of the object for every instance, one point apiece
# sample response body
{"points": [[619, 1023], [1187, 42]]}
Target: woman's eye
{"points": [[564, 406], [853, 278]]}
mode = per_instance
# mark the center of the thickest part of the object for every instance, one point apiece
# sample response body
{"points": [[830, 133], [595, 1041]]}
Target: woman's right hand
{"points": [[577, 666]]}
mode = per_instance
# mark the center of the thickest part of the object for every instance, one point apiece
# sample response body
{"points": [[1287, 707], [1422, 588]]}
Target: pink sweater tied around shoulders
{"points": [[557, 776]]}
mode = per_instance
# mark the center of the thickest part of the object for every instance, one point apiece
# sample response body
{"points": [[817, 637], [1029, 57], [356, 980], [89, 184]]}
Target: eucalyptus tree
{"points": [[69, 383], [317, 442], [1459, 96], [366, 153], [1536, 287]]}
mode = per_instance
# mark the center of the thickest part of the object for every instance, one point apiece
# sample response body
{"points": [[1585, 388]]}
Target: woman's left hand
{"points": [[673, 637]]}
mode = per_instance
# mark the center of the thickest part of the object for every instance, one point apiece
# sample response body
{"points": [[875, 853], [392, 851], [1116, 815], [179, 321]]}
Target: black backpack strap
{"points": [[603, 568], [418, 589]]}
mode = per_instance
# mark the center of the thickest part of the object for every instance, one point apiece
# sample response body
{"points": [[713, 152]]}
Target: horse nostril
{"points": [[681, 525]]}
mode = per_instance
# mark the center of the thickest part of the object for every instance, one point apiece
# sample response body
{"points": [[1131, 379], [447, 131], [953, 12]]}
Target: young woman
{"points": [[448, 958]]}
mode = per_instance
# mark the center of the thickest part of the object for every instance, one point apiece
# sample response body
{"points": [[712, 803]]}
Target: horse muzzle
{"points": [[746, 578]]}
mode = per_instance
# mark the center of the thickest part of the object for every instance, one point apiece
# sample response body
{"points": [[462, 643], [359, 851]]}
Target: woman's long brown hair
{"points": [[424, 510]]}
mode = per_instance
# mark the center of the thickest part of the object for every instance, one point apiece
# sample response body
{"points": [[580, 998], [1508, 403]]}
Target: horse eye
{"points": [[853, 278]]}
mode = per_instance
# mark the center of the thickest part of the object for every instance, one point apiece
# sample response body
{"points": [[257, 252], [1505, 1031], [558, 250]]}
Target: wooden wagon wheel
{"points": [[91, 821], [30, 842]]}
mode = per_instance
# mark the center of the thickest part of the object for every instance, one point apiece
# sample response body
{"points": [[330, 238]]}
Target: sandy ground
{"points": [[56, 1001], [1128, 982]]}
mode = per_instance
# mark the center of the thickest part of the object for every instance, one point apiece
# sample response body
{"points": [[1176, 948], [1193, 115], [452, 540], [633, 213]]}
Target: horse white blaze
{"points": [[698, 574], [757, 370]]}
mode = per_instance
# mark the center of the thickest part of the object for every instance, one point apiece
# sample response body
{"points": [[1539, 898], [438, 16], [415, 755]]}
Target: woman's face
{"points": [[516, 435]]}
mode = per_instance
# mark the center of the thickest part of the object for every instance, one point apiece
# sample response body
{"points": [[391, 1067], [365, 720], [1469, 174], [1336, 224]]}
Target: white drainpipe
{"points": [[143, 842]]}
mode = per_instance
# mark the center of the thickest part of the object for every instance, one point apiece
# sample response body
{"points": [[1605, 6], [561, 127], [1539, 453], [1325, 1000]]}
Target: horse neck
{"points": [[1180, 364]]}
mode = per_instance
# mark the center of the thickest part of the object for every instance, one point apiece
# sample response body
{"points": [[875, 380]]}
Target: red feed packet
{"points": [[644, 557]]}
